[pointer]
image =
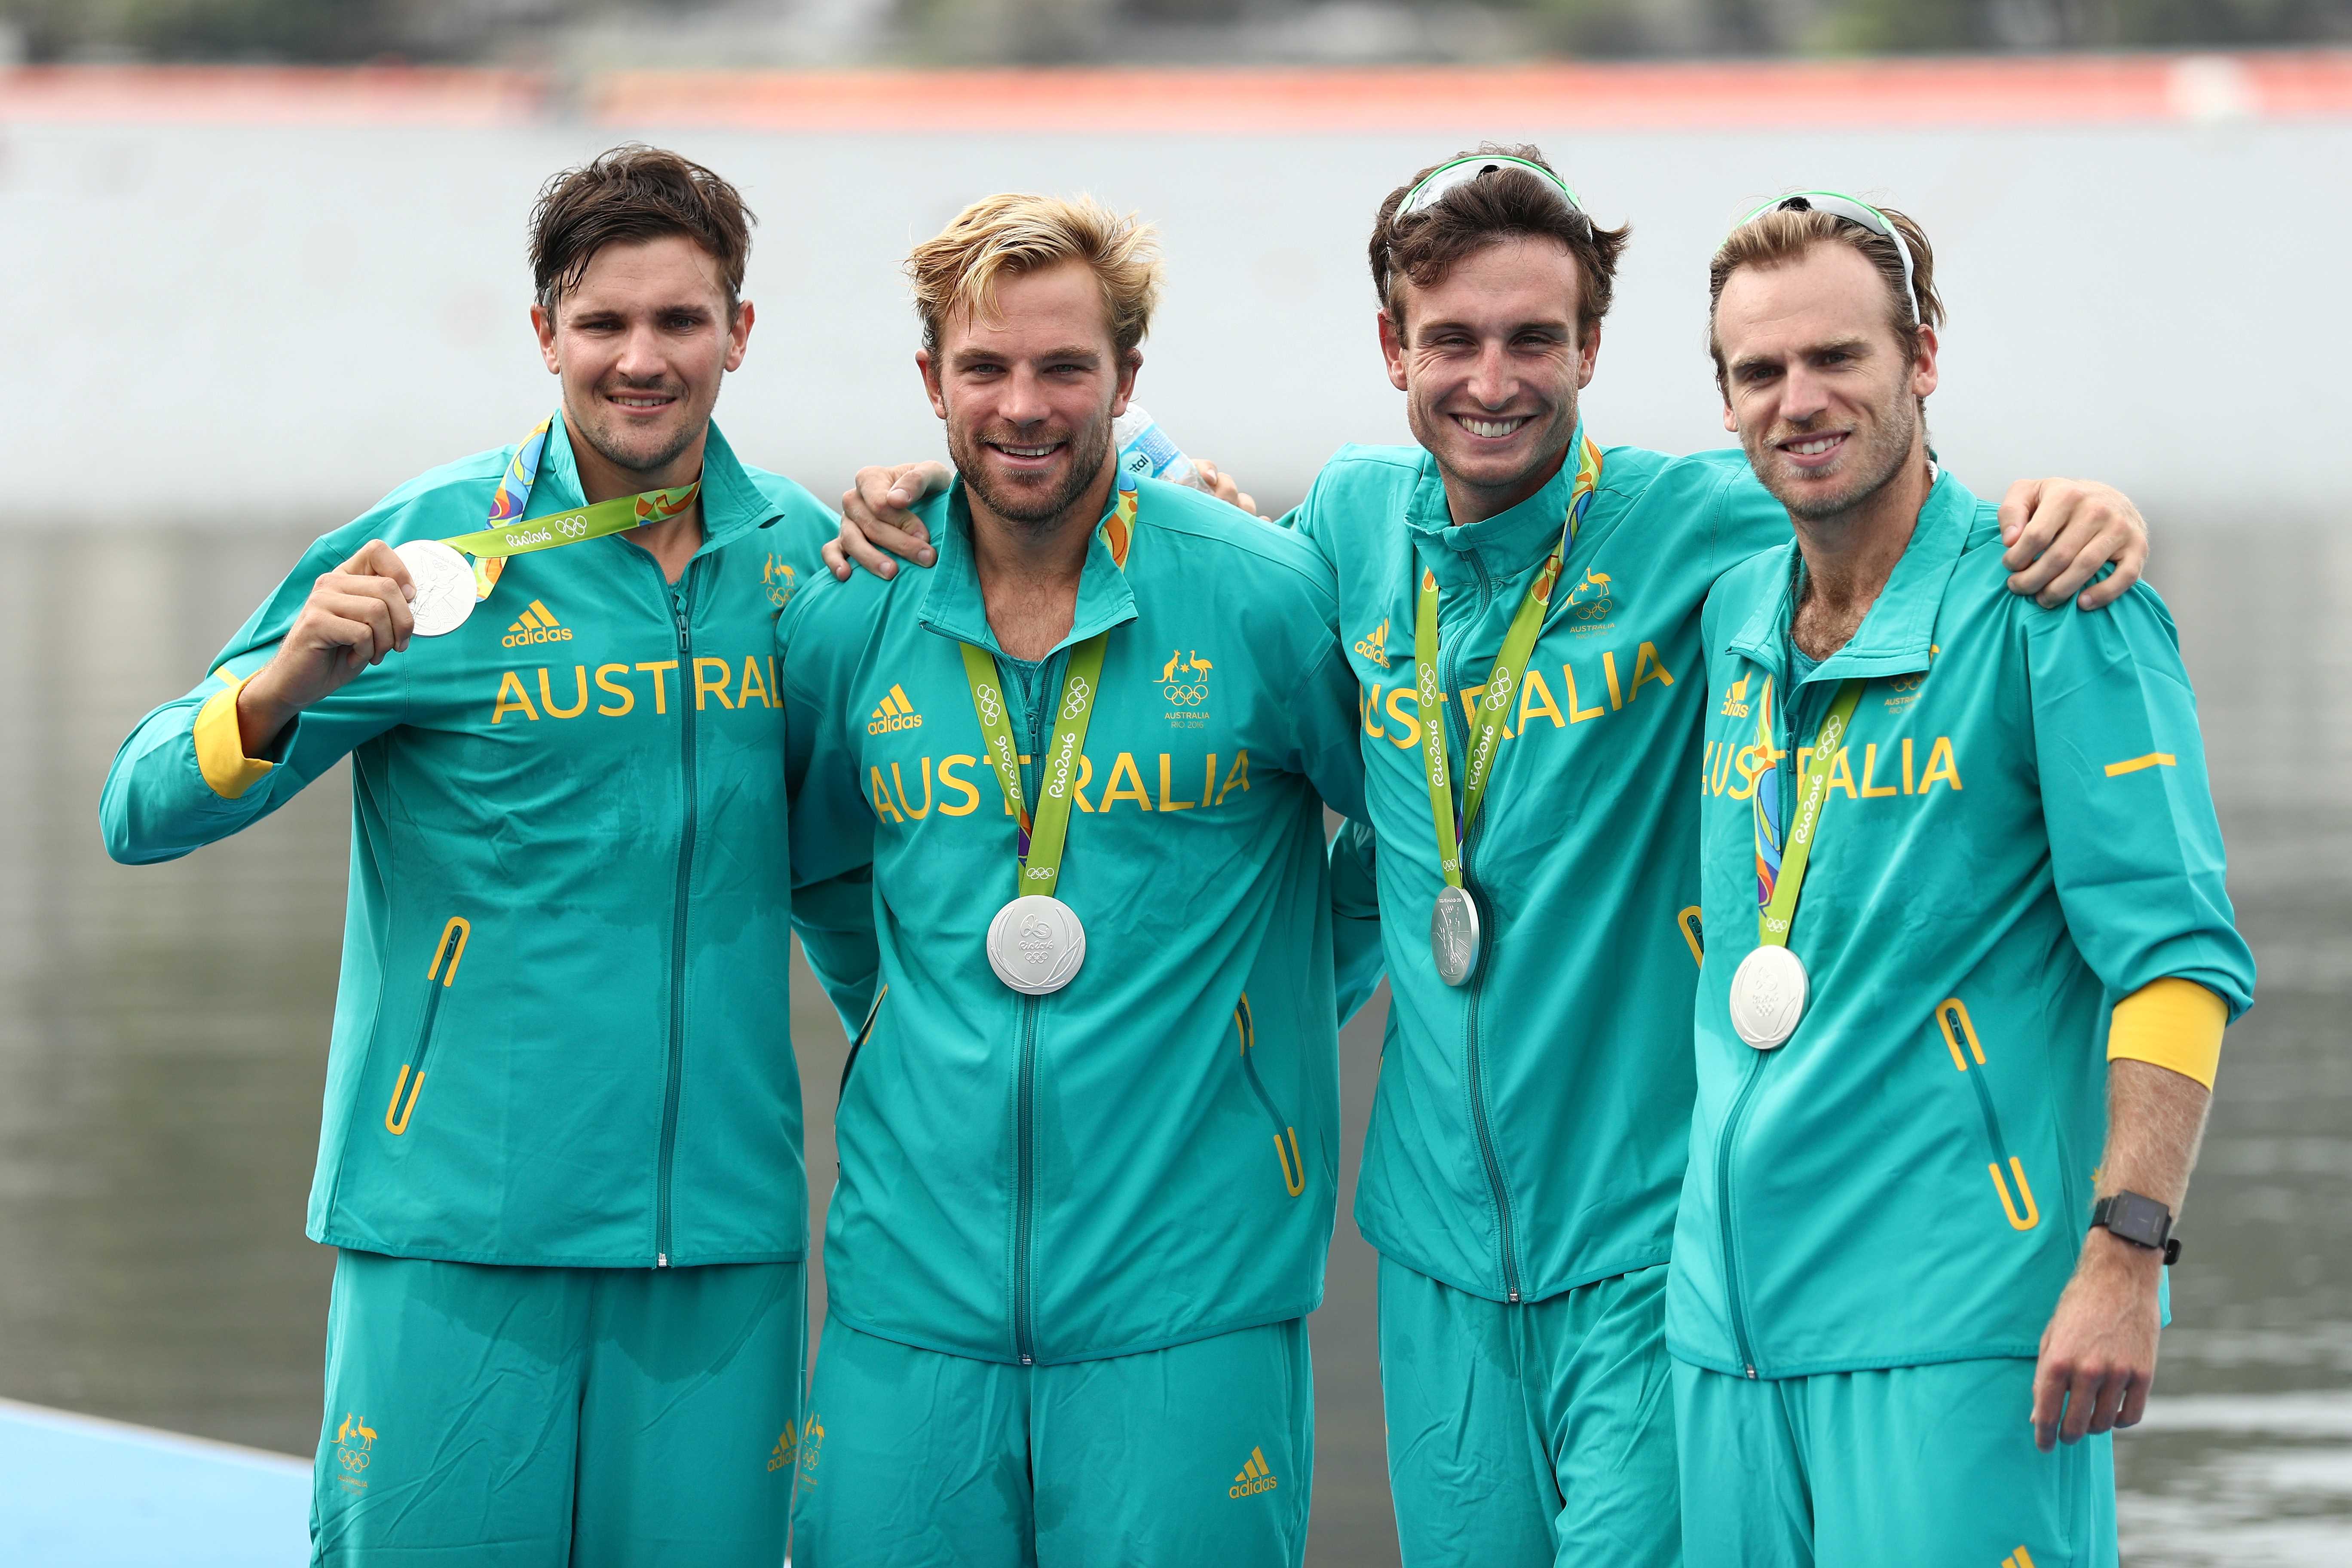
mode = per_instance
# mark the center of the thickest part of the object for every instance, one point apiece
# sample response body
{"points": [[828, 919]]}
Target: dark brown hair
{"points": [[1508, 204], [1783, 236], [630, 195]]}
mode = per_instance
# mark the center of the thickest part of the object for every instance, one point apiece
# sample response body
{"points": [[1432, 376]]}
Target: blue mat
{"points": [[80, 1492]]}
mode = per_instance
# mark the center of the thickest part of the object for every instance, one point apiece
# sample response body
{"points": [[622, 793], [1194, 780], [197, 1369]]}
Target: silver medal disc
{"points": [[1035, 944], [1454, 935], [1767, 997], [444, 586]]}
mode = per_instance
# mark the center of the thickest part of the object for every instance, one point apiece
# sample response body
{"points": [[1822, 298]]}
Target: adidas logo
{"points": [[537, 624], [895, 711], [787, 1450], [1376, 646], [2020, 1558], [1256, 1476]]}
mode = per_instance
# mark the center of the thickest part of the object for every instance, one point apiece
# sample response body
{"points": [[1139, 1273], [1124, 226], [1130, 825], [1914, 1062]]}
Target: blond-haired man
{"points": [[1087, 1130]]}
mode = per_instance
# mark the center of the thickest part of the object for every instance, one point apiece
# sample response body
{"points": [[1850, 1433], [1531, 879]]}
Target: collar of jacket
{"points": [[954, 606], [1896, 631], [731, 504], [1504, 545]]}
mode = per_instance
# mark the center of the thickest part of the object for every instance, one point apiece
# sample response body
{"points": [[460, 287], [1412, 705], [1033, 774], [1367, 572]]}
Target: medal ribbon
{"points": [[1502, 683], [1780, 868], [1039, 844], [509, 534]]}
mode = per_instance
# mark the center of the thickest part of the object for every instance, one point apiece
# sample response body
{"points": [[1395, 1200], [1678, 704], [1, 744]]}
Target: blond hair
{"points": [[1781, 236], [1014, 233]]}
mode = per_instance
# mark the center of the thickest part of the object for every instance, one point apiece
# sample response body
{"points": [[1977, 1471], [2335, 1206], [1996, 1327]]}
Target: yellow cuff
{"points": [[220, 746], [2171, 1023]]}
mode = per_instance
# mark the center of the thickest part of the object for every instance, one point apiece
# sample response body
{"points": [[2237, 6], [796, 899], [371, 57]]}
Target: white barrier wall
{"points": [[215, 324]]}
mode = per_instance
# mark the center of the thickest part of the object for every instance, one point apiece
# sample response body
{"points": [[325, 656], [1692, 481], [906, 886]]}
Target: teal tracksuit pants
{"points": [[487, 1415], [1529, 1434], [1931, 1466], [1198, 1454]]}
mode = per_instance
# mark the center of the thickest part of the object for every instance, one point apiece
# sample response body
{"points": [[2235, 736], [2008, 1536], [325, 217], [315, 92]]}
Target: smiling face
{"points": [[1823, 397], [641, 343], [1029, 391], [1490, 362]]}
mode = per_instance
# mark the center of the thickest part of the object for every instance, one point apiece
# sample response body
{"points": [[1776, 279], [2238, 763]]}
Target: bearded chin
{"points": [[1877, 465], [1090, 448]]}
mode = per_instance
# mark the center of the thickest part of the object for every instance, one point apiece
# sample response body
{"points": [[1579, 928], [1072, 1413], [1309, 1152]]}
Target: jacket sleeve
{"points": [[831, 827], [182, 780], [1356, 918], [2133, 842]]}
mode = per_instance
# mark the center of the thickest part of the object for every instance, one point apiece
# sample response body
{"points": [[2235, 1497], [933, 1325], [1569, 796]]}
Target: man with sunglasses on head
{"points": [[1529, 860], [1952, 843]]}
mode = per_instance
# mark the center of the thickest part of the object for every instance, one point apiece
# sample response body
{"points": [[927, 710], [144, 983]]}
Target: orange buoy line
{"points": [[2046, 90]]}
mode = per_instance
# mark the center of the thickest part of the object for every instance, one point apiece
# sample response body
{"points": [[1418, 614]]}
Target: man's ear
{"points": [[1923, 366], [929, 370], [1588, 350], [1128, 364], [739, 334], [542, 322], [1391, 347]]}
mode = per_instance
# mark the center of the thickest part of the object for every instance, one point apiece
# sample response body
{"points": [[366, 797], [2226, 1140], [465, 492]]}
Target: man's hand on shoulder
{"points": [[879, 520], [2061, 532], [355, 614], [1220, 485]]}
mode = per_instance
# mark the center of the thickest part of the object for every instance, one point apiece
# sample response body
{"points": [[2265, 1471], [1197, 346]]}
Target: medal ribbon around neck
{"points": [[1039, 844], [508, 535], [1502, 682], [1780, 865]]}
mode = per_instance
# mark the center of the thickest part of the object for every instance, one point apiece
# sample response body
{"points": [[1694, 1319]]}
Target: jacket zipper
{"points": [[1786, 772], [680, 596], [1025, 1141], [1474, 1058]]}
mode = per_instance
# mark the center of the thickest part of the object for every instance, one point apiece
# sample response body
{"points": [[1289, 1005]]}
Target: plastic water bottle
{"points": [[1145, 450]]}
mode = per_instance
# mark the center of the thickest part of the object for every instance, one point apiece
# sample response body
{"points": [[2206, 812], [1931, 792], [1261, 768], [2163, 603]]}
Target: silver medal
{"points": [[444, 586], [1035, 944], [1767, 997], [1454, 935]]}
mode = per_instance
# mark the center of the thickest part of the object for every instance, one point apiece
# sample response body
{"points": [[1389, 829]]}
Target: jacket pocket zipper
{"points": [[864, 1033], [1952, 1018], [451, 947], [1285, 1136]]}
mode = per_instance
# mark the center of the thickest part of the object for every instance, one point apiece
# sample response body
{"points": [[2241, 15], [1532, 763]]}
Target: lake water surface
{"points": [[162, 1039]]}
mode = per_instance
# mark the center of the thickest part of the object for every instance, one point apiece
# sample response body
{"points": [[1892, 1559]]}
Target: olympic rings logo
{"points": [[1498, 693], [991, 710], [1080, 695], [1594, 609], [1186, 696], [571, 527]]}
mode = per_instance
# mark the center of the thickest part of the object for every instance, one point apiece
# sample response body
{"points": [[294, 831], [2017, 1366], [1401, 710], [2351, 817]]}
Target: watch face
{"points": [[2139, 1220]]}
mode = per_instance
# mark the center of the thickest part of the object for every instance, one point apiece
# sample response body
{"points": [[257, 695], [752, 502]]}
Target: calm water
{"points": [[163, 1032]]}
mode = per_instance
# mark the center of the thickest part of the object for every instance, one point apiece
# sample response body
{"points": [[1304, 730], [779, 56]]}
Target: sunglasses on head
{"points": [[1447, 178], [1840, 206]]}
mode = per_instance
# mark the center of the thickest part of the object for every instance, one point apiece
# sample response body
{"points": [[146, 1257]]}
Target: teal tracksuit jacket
{"points": [[561, 1032], [1146, 1157], [2017, 835], [1530, 1129]]}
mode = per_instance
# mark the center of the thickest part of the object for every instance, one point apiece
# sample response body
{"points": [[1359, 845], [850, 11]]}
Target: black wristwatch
{"points": [[2141, 1221]]}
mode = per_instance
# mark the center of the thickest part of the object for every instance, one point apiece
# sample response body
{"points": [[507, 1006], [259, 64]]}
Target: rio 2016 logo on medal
{"points": [[1035, 944]]}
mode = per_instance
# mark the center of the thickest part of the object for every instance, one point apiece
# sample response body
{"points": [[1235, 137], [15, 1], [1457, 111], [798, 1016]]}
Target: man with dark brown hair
{"points": [[561, 1147], [1530, 1129]]}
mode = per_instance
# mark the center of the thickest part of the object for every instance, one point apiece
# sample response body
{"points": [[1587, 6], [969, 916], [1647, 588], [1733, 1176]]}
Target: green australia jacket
{"points": [[1147, 1156], [2016, 834], [1530, 1130], [560, 1035]]}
